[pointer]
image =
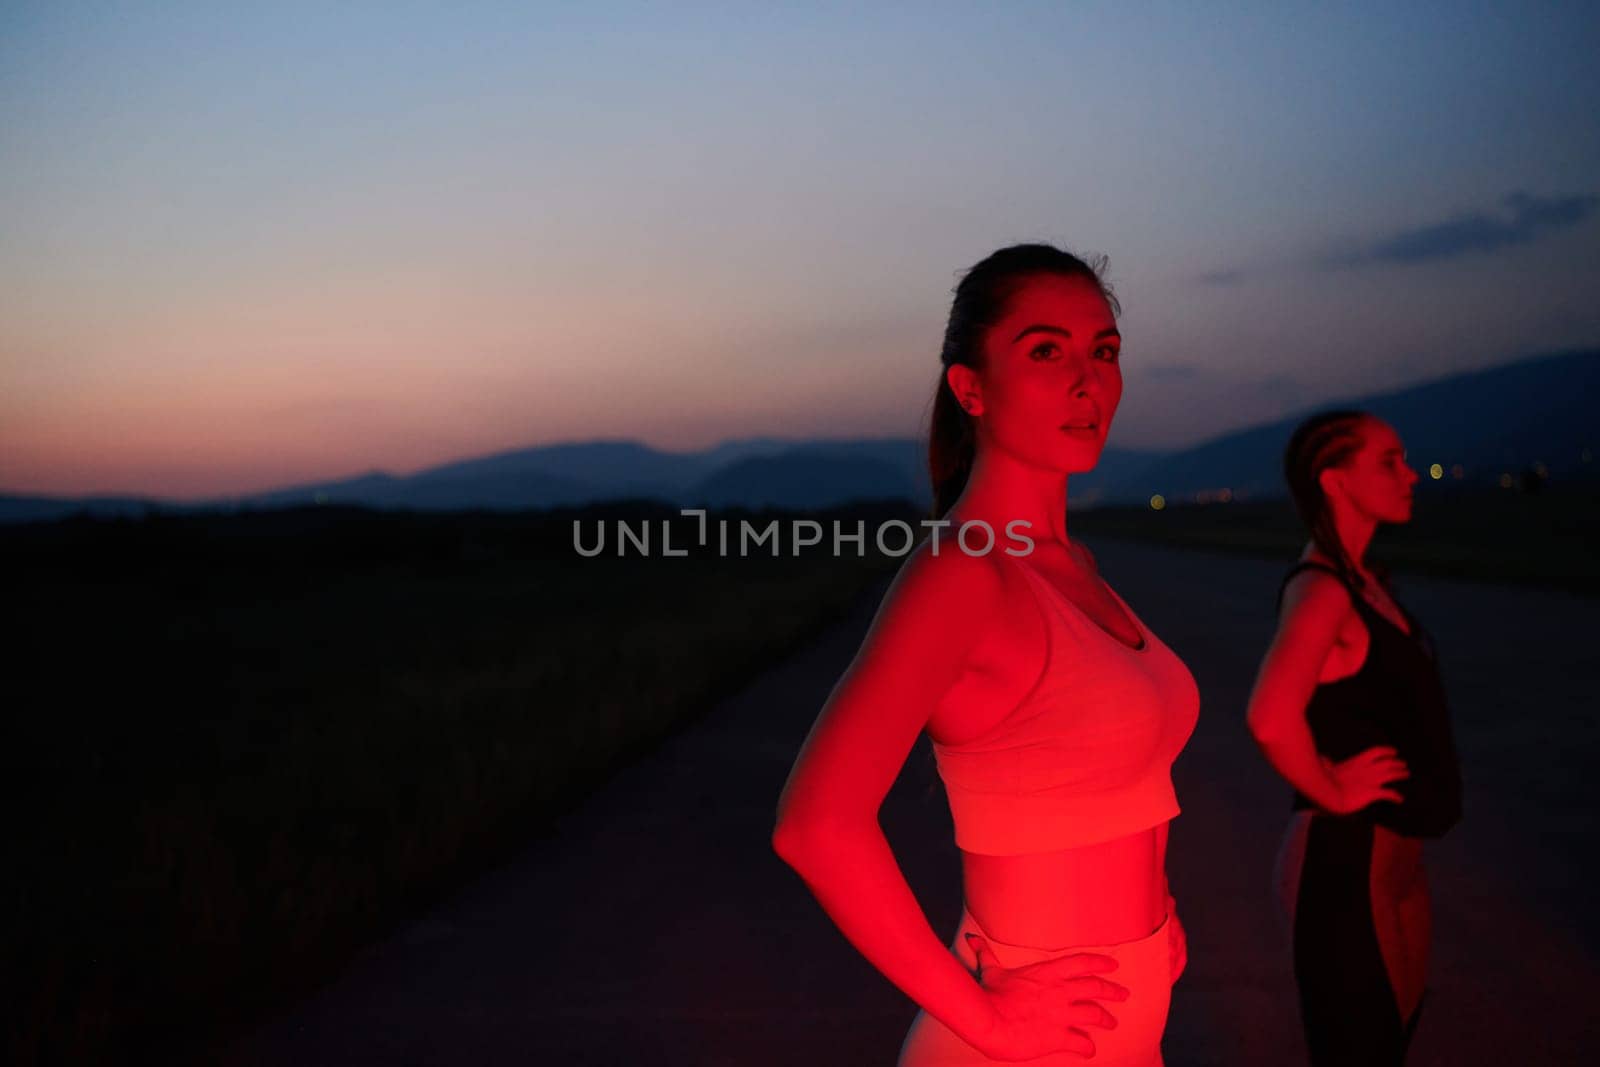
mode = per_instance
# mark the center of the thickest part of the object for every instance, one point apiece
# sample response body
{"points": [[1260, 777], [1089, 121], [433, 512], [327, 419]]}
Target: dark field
{"points": [[1550, 537], [241, 747]]}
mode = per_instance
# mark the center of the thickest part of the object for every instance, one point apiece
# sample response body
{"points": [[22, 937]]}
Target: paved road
{"points": [[654, 926]]}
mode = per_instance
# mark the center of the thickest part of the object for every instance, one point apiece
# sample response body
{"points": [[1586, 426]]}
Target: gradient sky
{"points": [[247, 246]]}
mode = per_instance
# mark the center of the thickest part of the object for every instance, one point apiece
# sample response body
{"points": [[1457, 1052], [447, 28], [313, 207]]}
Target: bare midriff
{"points": [[1100, 894]]}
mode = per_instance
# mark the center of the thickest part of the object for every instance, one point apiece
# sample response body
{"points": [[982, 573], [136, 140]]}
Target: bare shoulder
{"points": [[932, 589], [932, 617], [1316, 598]]}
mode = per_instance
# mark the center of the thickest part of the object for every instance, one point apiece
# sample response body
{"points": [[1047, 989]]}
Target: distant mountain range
{"points": [[1538, 412], [1503, 420]]}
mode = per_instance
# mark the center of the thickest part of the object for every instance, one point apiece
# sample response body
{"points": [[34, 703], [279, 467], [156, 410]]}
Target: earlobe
{"points": [[964, 386], [1331, 481]]}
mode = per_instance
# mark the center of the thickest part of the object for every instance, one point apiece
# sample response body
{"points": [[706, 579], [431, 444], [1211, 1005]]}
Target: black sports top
{"points": [[1396, 698]]}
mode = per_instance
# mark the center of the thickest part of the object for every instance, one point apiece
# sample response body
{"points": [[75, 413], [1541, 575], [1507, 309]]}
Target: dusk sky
{"points": [[247, 246]]}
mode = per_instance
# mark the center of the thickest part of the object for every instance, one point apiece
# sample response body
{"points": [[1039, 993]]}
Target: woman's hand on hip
{"points": [[1365, 778], [1044, 1007]]}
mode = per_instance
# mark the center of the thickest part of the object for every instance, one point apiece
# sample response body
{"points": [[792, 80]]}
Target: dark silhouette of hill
{"points": [[1510, 419], [558, 475], [828, 473], [19, 508], [624, 468], [751, 473], [548, 476], [802, 479], [821, 474], [1503, 420]]}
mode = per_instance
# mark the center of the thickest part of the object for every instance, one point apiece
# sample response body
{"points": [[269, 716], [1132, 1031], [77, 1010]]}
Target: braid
{"points": [[1322, 441]]}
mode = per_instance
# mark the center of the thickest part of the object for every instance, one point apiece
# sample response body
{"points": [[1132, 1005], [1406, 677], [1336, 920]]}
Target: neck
{"points": [[1355, 534], [1002, 489]]}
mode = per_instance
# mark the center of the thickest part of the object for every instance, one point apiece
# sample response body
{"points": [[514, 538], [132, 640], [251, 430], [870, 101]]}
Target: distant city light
{"points": [[1540, 469], [1436, 472], [1158, 502], [1458, 472], [1207, 496], [1505, 481]]}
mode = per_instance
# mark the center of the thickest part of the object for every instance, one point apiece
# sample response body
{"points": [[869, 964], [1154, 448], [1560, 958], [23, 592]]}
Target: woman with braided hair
{"points": [[1349, 708]]}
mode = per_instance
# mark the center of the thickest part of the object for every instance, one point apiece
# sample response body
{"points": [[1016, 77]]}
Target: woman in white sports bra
{"points": [[1054, 712]]}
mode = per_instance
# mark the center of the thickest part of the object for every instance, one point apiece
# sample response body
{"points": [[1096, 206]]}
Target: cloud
{"points": [[1522, 218], [1221, 277]]}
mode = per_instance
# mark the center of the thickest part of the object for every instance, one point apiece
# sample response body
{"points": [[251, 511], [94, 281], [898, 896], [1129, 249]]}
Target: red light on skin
{"points": [[1040, 405]]}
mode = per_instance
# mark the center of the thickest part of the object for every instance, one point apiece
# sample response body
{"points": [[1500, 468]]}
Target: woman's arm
{"points": [[926, 628], [1315, 606]]}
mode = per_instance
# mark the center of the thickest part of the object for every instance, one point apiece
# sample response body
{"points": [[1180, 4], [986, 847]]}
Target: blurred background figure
{"points": [[1349, 708]]}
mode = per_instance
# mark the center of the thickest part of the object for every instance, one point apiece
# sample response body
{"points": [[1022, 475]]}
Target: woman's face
{"points": [[1376, 481], [1050, 381]]}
